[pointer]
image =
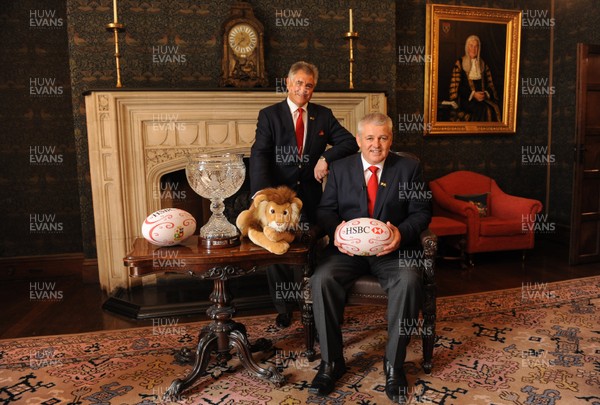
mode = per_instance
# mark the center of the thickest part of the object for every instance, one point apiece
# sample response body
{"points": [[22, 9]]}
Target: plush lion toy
{"points": [[271, 219]]}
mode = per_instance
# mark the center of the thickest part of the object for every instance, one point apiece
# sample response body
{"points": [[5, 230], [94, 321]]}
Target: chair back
{"points": [[464, 182], [407, 155]]}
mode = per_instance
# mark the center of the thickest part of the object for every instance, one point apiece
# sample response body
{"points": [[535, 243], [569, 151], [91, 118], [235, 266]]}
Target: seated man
{"points": [[351, 192]]}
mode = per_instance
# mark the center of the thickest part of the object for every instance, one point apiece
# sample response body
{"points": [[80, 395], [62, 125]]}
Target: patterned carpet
{"points": [[539, 344]]}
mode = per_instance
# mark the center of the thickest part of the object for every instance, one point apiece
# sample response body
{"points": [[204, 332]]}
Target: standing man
{"points": [[289, 150], [352, 192]]}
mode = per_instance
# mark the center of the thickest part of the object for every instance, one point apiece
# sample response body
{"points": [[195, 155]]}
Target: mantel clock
{"points": [[243, 62]]}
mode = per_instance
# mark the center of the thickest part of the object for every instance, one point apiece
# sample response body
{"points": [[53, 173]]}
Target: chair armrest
{"points": [[448, 203], [510, 206], [429, 242], [317, 241]]}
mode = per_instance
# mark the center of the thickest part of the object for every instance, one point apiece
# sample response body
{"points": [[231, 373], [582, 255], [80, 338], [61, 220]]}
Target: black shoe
{"points": [[284, 320], [324, 382], [396, 385]]}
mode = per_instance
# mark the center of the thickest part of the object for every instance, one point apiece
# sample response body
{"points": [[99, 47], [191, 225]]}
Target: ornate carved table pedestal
{"points": [[223, 333]]}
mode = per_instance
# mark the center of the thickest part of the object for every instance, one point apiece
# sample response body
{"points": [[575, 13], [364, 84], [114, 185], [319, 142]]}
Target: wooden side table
{"points": [[223, 333]]}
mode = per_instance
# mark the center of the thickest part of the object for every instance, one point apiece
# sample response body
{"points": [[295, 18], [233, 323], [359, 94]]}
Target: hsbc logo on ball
{"points": [[355, 230], [377, 231]]}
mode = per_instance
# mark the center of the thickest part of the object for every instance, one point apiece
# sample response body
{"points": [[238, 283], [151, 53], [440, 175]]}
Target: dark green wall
{"points": [[79, 56]]}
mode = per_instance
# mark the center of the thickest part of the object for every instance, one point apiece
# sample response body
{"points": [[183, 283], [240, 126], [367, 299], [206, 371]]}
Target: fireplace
{"points": [[138, 137]]}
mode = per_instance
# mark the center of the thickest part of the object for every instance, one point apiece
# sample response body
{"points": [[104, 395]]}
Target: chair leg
{"points": [[308, 322], [462, 245], [429, 311], [308, 319], [470, 260], [428, 343]]}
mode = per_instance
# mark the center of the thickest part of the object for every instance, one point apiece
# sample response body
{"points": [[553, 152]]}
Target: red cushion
{"points": [[494, 226], [443, 226]]}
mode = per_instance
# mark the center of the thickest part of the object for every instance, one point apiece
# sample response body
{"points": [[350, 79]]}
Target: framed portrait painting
{"points": [[471, 82]]}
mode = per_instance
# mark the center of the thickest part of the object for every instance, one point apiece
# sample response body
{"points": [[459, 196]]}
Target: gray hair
{"points": [[374, 118], [472, 38], [306, 67]]}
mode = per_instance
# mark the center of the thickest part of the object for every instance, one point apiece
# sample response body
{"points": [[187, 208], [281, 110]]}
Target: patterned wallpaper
{"points": [[66, 48]]}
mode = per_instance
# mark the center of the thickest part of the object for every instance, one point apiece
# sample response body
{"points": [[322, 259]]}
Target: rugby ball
{"points": [[168, 227], [363, 236]]}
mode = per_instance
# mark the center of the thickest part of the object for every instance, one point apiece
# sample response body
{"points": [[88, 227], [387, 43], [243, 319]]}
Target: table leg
{"points": [[207, 343], [222, 335], [240, 342]]}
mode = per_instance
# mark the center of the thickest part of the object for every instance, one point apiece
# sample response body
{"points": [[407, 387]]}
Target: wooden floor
{"points": [[76, 307]]}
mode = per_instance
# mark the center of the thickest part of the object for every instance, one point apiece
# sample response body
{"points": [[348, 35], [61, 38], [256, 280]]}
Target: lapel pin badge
{"points": [[383, 184], [311, 118]]}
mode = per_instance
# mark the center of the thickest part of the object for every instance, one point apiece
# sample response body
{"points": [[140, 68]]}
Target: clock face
{"points": [[242, 39]]}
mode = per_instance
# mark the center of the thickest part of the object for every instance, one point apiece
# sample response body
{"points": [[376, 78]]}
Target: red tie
{"points": [[300, 131], [372, 189]]}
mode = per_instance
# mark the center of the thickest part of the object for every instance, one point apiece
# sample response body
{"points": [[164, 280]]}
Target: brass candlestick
{"points": [[117, 27], [351, 35]]}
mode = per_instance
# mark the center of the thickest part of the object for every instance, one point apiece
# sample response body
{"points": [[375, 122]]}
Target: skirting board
{"points": [[43, 266]]}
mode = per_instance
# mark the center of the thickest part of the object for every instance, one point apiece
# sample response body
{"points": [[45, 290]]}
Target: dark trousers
{"points": [[333, 278], [285, 286]]}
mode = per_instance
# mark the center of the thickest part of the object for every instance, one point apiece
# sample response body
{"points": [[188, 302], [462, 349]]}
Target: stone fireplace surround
{"points": [[135, 137]]}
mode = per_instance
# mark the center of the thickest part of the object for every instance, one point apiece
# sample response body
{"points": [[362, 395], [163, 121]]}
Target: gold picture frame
{"points": [[448, 78]]}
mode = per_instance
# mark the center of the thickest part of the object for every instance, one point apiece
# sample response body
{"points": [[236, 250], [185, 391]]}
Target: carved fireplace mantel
{"points": [[135, 137]]}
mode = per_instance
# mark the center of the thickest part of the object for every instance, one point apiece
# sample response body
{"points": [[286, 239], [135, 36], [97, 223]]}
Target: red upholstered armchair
{"points": [[507, 223]]}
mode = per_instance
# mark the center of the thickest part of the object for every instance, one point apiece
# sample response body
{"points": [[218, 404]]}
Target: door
{"points": [[585, 213]]}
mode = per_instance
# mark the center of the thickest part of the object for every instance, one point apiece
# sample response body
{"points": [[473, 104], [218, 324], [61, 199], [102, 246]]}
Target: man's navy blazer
{"points": [[274, 160], [402, 196]]}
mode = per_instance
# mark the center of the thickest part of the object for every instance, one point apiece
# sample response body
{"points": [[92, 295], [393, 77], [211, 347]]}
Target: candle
{"points": [[350, 19], [115, 11]]}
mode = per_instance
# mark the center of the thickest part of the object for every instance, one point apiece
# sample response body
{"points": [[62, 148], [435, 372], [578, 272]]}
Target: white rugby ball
{"points": [[364, 236], [168, 226]]}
